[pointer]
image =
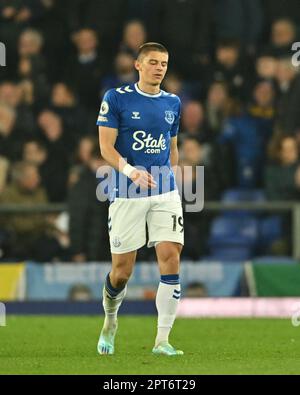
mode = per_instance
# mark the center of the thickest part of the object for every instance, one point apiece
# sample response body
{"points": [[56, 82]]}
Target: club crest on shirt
{"points": [[169, 117]]}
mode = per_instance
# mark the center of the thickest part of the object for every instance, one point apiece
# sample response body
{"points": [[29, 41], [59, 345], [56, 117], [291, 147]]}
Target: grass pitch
{"points": [[67, 345]]}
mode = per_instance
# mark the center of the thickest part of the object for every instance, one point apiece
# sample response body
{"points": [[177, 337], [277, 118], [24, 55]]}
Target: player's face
{"points": [[153, 67]]}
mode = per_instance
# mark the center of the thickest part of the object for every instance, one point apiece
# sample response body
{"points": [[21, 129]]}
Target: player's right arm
{"points": [[108, 122], [107, 139]]}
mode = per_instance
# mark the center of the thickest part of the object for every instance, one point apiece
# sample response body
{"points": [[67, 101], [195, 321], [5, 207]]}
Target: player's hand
{"points": [[143, 179]]}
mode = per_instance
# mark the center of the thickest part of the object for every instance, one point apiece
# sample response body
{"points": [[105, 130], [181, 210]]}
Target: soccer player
{"points": [[138, 126]]}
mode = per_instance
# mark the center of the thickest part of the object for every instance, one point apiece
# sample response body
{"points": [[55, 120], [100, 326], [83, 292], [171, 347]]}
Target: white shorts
{"points": [[127, 219]]}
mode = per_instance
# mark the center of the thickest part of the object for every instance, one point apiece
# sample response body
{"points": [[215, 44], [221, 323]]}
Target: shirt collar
{"points": [[146, 94]]}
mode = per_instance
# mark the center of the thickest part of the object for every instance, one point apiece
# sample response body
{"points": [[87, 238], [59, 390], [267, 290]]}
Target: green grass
{"points": [[67, 345]]}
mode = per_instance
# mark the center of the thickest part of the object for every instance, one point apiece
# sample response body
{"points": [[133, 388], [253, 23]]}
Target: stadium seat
{"points": [[232, 254], [270, 229], [233, 237], [242, 195]]}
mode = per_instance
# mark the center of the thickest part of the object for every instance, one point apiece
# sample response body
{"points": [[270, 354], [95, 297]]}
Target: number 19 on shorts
{"points": [[177, 223]]}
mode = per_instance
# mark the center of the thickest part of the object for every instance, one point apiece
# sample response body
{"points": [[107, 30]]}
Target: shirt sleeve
{"points": [[175, 126], [109, 111]]}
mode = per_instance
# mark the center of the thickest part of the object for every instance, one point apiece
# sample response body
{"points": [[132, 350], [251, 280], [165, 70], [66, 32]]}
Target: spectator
{"points": [[4, 167], [195, 154], [230, 68], [196, 225], [193, 122], [82, 157], [31, 68], [288, 81], [62, 55], [282, 183], [21, 12], [84, 150], [15, 16], [30, 43], [58, 151], [263, 103], [218, 106], [134, 35], [85, 68], [10, 145], [11, 94], [34, 151], [88, 217], [64, 103], [124, 72], [24, 230], [283, 35], [173, 83], [55, 245], [265, 66], [248, 134], [282, 174]]}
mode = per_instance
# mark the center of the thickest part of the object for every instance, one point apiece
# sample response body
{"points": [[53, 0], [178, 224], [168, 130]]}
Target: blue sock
{"points": [[113, 292], [171, 279]]}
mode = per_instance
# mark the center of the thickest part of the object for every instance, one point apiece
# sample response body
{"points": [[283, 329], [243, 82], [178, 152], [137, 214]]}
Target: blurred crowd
{"points": [[230, 63]]}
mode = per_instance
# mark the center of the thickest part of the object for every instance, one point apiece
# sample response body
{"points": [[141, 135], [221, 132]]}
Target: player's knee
{"points": [[120, 276], [171, 262]]}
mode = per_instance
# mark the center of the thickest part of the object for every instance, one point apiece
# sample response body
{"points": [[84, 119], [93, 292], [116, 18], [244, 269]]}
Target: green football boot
{"points": [[106, 341], [164, 348]]}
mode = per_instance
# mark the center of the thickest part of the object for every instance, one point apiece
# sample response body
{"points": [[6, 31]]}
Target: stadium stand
{"points": [[240, 118]]}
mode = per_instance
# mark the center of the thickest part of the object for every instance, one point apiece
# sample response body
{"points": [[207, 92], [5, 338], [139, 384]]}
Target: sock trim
{"points": [[113, 292], [171, 279], [170, 283]]}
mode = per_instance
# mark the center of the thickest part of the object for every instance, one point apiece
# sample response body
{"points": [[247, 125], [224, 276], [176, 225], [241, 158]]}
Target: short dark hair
{"points": [[151, 46], [38, 142], [229, 43]]}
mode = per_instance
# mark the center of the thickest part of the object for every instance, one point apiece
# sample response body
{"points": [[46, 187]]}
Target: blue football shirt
{"points": [[146, 123]]}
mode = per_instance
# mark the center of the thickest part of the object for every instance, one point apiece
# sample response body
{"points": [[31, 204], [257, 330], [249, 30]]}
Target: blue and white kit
{"points": [[145, 125]]}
